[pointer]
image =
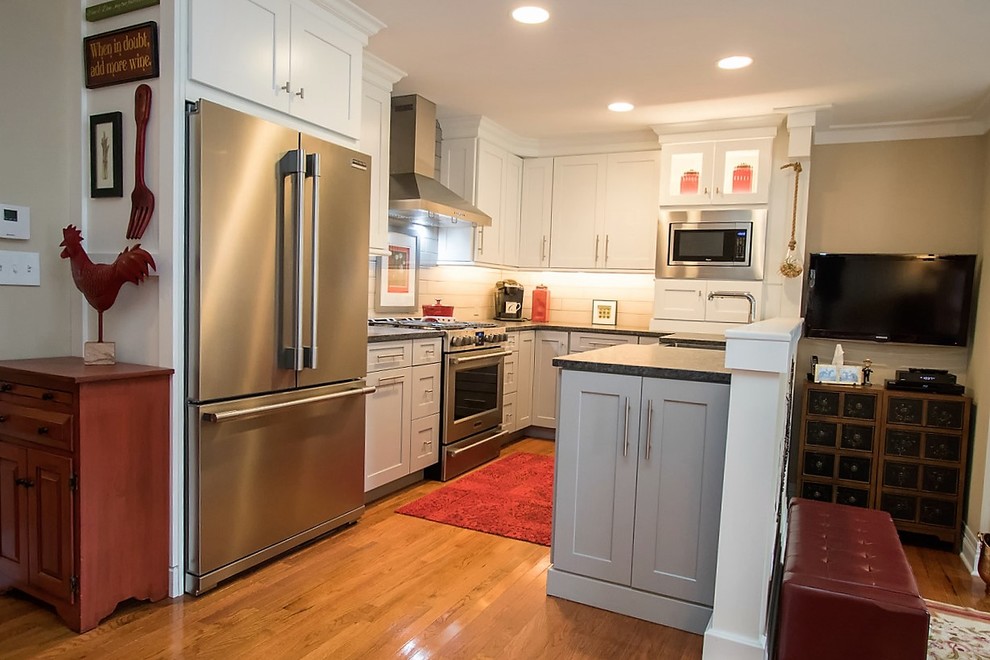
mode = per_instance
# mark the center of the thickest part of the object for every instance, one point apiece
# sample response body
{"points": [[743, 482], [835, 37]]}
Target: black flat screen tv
{"points": [[907, 298]]}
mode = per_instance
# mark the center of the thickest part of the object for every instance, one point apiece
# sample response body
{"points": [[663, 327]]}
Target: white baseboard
{"points": [[970, 550], [176, 577]]}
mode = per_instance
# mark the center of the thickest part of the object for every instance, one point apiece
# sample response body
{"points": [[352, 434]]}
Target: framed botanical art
{"points": [[397, 277], [106, 155]]}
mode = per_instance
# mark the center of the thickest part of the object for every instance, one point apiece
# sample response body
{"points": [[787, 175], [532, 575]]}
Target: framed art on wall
{"points": [[397, 280], [106, 155]]}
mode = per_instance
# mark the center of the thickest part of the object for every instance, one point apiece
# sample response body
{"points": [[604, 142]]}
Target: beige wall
{"points": [[903, 196], [39, 134], [978, 515]]}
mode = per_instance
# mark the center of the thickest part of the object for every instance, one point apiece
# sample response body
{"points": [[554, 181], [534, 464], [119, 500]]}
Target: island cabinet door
{"points": [[679, 488], [595, 494]]}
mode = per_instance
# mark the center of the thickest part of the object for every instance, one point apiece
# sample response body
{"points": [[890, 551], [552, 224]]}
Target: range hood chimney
{"points": [[413, 194]]}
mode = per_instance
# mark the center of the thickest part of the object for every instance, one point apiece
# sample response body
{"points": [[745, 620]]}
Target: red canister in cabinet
{"points": [[689, 183], [541, 304], [742, 178]]}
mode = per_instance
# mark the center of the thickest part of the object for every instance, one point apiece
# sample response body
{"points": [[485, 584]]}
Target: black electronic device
{"points": [[907, 298], [916, 375], [920, 386]]}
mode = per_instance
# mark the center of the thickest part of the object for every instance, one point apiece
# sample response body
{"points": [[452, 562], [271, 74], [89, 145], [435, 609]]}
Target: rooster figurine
{"points": [[100, 283]]}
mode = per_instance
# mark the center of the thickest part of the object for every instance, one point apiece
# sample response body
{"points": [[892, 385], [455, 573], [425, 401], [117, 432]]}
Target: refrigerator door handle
{"points": [[313, 172], [244, 412], [292, 164]]}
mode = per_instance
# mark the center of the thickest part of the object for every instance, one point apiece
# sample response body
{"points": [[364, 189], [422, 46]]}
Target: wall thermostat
{"points": [[15, 222]]}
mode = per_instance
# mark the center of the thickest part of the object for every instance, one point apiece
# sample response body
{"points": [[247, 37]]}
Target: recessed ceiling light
{"points": [[530, 15], [735, 62], [620, 106]]}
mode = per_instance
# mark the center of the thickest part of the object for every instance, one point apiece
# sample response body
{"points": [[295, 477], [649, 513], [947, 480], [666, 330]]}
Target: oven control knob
{"points": [[455, 341], [503, 337]]}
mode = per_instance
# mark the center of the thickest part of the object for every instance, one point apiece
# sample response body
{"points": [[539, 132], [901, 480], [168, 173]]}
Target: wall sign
{"points": [[116, 8], [121, 56]]}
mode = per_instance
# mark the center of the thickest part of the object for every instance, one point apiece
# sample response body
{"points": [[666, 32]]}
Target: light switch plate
{"points": [[15, 222], [20, 268]]}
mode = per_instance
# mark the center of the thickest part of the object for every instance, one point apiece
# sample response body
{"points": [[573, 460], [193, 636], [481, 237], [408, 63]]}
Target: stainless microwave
{"points": [[722, 244]]}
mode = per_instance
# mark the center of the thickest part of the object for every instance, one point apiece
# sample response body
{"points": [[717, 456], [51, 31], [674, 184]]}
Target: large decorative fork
{"points": [[142, 199]]}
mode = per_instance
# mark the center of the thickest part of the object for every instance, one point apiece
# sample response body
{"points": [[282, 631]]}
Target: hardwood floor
{"points": [[394, 586]]}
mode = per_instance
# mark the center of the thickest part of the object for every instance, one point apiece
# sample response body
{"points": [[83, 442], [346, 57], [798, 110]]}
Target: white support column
{"points": [[760, 357]]}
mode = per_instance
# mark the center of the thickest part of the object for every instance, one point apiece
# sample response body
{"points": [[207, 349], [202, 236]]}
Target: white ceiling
{"points": [[886, 62]]}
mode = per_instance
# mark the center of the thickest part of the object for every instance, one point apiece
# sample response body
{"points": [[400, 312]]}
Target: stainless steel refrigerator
{"points": [[277, 335]]}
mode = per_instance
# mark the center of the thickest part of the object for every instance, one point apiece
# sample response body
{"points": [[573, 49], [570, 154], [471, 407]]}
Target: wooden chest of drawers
{"points": [[84, 476], [902, 452]]}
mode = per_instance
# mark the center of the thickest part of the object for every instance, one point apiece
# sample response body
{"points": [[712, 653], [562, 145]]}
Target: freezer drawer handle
{"points": [[234, 414], [471, 446], [462, 360]]}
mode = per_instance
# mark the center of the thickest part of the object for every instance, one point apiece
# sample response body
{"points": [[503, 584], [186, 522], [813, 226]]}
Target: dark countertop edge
{"points": [[378, 334], [644, 371], [516, 326]]}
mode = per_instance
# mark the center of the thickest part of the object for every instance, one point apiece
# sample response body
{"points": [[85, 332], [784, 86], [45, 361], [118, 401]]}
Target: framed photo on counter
{"points": [[397, 281], [603, 312]]}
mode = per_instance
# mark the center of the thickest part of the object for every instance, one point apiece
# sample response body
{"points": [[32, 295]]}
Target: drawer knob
{"points": [[819, 464], [854, 469], [27, 483], [6, 387], [48, 396], [3, 418], [42, 430]]}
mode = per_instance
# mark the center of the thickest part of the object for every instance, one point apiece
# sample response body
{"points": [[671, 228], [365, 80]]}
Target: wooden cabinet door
{"points": [[13, 515], [387, 418], [535, 210], [241, 47], [632, 210], [595, 477], [578, 213], [50, 509], [679, 488], [524, 384], [549, 344]]}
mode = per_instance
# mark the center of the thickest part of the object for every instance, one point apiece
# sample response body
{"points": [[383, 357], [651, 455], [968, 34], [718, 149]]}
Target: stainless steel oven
{"points": [[725, 244]]}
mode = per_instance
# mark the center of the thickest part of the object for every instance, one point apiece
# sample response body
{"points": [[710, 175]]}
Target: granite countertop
{"points": [[651, 361], [689, 339], [377, 333], [515, 326]]}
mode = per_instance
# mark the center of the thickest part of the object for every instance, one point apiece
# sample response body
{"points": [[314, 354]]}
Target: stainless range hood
{"points": [[413, 194]]}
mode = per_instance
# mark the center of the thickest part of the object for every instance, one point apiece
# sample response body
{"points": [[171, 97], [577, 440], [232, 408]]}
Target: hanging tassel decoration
{"points": [[792, 263]]}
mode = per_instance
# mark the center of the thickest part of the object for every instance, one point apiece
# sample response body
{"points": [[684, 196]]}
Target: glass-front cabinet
{"points": [[716, 172]]}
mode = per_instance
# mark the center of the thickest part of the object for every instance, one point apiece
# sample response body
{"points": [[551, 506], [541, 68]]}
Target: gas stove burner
{"points": [[430, 323]]}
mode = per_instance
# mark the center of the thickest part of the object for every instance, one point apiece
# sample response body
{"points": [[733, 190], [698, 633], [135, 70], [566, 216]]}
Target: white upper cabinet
{"points": [[376, 120], [716, 172], [604, 211], [578, 212], [289, 55], [534, 222]]}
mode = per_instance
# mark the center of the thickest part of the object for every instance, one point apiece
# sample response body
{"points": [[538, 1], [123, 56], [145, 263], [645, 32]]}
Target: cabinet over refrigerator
{"points": [[277, 242]]}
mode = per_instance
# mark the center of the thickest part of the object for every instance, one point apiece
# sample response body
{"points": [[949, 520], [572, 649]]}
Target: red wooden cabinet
{"points": [[84, 476]]}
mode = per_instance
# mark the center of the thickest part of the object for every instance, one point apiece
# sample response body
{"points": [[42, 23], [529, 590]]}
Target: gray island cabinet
{"points": [[638, 482]]}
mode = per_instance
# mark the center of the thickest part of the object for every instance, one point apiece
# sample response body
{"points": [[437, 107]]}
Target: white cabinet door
{"points": [[424, 441], [512, 195], [679, 487], [387, 418], [509, 412], [241, 47], [680, 299], [510, 374], [489, 197], [578, 212], [595, 475], [524, 388], [376, 110], [632, 205], [716, 172], [549, 344], [325, 73], [534, 223]]}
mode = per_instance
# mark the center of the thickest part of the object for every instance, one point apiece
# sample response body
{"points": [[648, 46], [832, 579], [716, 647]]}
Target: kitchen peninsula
{"points": [[639, 464]]}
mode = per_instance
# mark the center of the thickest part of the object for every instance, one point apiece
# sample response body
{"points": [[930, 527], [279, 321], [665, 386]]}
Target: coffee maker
{"points": [[508, 300]]}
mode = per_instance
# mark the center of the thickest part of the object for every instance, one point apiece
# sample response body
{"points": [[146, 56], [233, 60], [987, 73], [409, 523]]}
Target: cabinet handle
{"points": [[301, 93], [718, 191], [42, 430], [6, 387], [606, 249], [392, 379], [597, 239], [3, 418], [287, 87], [481, 243], [706, 190], [649, 428], [27, 483], [625, 446], [391, 356]]}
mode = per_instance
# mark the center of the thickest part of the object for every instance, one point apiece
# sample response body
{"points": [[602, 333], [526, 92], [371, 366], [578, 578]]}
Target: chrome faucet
{"points": [[737, 294]]}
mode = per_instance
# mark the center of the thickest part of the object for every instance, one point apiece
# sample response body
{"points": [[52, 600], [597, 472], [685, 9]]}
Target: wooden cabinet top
{"points": [[72, 370]]}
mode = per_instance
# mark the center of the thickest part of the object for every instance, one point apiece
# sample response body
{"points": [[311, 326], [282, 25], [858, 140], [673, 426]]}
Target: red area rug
{"points": [[510, 497]]}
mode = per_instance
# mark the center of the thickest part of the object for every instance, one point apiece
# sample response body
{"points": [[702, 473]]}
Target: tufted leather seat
{"points": [[848, 590]]}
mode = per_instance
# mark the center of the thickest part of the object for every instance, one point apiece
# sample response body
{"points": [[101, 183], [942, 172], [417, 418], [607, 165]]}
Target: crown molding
{"points": [[380, 73], [904, 130], [358, 22]]}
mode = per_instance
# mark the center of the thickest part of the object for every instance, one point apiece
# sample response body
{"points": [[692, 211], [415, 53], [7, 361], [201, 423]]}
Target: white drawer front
{"points": [[509, 412], [427, 351], [425, 440], [389, 355], [512, 343], [425, 390], [589, 341], [510, 377]]}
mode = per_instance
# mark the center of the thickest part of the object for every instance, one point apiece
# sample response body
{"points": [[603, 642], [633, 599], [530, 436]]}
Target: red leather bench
{"points": [[847, 589]]}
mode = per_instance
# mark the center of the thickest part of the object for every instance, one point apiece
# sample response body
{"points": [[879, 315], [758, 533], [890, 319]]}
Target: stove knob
{"points": [[455, 341], [503, 337]]}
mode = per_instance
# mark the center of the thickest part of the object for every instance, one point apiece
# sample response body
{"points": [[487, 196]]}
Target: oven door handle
{"points": [[474, 358]]}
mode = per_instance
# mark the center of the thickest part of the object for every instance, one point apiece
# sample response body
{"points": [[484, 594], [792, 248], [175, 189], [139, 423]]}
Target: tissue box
{"points": [[844, 375]]}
